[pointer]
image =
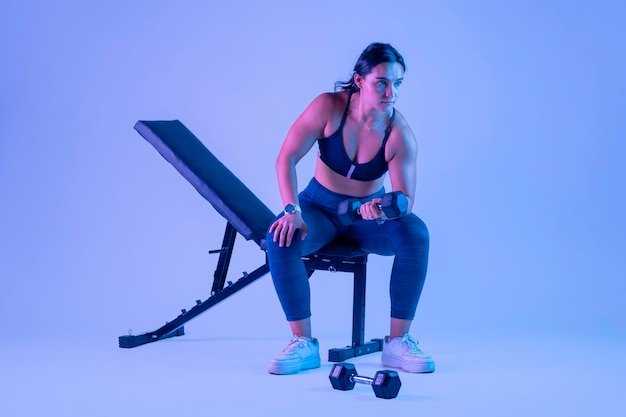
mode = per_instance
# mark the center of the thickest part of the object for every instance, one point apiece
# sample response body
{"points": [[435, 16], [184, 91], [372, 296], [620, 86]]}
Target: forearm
{"points": [[287, 181]]}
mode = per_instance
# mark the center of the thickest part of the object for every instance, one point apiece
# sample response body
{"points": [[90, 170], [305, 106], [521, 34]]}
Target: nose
{"points": [[390, 91]]}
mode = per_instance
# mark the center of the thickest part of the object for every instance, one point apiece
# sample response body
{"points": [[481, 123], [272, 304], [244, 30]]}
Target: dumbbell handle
{"points": [[379, 220], [393, 205], [378, 206], [362, 379]]}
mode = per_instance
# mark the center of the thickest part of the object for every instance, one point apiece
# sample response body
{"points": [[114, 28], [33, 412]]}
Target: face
{"points": [[379, 88]]}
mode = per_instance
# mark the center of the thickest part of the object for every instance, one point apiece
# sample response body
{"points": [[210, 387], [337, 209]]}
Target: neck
{"points": [[370, 118]]}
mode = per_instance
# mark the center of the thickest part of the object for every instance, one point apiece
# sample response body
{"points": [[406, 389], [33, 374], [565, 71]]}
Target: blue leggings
{"points": [[406, 238]]}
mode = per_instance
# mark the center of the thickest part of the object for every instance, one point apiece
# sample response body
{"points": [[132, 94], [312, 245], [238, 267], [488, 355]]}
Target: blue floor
{"points": [[202, 374]]}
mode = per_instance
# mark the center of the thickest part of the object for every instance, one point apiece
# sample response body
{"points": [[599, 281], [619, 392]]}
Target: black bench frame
{"points": [[248, 216]]}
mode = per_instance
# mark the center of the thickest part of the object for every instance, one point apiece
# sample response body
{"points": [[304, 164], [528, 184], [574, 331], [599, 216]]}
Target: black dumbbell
{"points": [[386, 384], [394, 205]]}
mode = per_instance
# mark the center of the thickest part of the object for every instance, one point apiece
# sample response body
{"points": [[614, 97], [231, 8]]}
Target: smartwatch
{"points": [[292, 209]]}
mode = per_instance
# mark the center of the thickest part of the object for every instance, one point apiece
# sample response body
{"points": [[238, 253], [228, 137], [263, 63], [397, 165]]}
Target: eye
{"points": [[382, 83], [397, 84]]}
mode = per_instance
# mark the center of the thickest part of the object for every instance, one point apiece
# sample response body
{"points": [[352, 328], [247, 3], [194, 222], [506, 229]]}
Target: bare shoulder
{"points": [[325, 112], [329, 103], [316, 119]]}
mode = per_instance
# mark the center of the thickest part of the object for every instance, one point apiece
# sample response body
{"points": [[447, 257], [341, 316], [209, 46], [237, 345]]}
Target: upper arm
{"points": [[403, 162]]}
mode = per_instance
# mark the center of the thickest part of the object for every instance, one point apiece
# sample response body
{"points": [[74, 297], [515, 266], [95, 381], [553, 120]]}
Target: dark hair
{"points": [[376, 53]]}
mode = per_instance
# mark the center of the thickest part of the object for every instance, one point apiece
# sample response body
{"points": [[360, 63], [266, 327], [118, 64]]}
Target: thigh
{"points": [[321, 229], [391, 236]]}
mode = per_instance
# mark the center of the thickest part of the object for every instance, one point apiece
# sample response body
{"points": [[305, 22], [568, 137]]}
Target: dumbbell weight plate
{"points": [[394, 204], [341, 376], [386, 384]]}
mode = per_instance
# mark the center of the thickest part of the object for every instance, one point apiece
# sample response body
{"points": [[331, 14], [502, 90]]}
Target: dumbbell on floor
{"points": [[386, 384], [394, 205]]}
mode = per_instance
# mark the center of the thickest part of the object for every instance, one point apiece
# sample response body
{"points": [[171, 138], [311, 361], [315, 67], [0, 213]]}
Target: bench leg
{"points": [[359, 346]]}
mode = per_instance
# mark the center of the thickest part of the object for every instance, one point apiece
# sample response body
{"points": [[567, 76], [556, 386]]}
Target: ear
{"points": [[358, 80]]}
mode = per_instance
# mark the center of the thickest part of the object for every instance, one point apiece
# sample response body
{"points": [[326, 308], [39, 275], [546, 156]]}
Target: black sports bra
{"points": [[333, 153]]}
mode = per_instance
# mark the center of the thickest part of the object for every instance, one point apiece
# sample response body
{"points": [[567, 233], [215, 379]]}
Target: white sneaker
{"points": [[300, 354], [403, 353]]}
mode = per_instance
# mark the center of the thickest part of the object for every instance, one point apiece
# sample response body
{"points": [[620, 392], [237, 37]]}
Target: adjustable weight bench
{"points": [[247, 215]]}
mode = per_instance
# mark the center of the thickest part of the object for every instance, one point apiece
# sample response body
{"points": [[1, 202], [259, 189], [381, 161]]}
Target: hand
{"points": [[285, 227], [371, 210]]}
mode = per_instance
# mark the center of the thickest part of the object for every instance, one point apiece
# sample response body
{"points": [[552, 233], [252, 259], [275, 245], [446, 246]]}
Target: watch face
{"points": [[291, 208]]}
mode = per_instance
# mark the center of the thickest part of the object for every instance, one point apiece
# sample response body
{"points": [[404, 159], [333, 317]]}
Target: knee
{"points": [[414, 230], [410, 238], [274, 249]]}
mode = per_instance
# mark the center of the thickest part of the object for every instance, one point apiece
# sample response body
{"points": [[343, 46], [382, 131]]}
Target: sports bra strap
{"points": [[345, 112], [388, 130]]}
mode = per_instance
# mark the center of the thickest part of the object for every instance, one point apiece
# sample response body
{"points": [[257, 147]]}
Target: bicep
{"points": [[403, 167]]}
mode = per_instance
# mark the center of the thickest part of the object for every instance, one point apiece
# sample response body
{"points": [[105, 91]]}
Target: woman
{"points": [[361, 137]]}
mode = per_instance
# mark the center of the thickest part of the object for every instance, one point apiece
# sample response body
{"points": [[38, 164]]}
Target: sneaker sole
{"points": [[420, 368], [278, 369]]}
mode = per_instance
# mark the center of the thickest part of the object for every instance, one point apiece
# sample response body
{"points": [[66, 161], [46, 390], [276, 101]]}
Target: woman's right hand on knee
{"points": [[285, 227]]}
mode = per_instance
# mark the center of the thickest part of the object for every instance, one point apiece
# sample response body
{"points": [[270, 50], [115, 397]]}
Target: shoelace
{"points": [[411, 343], [295, 343]]}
